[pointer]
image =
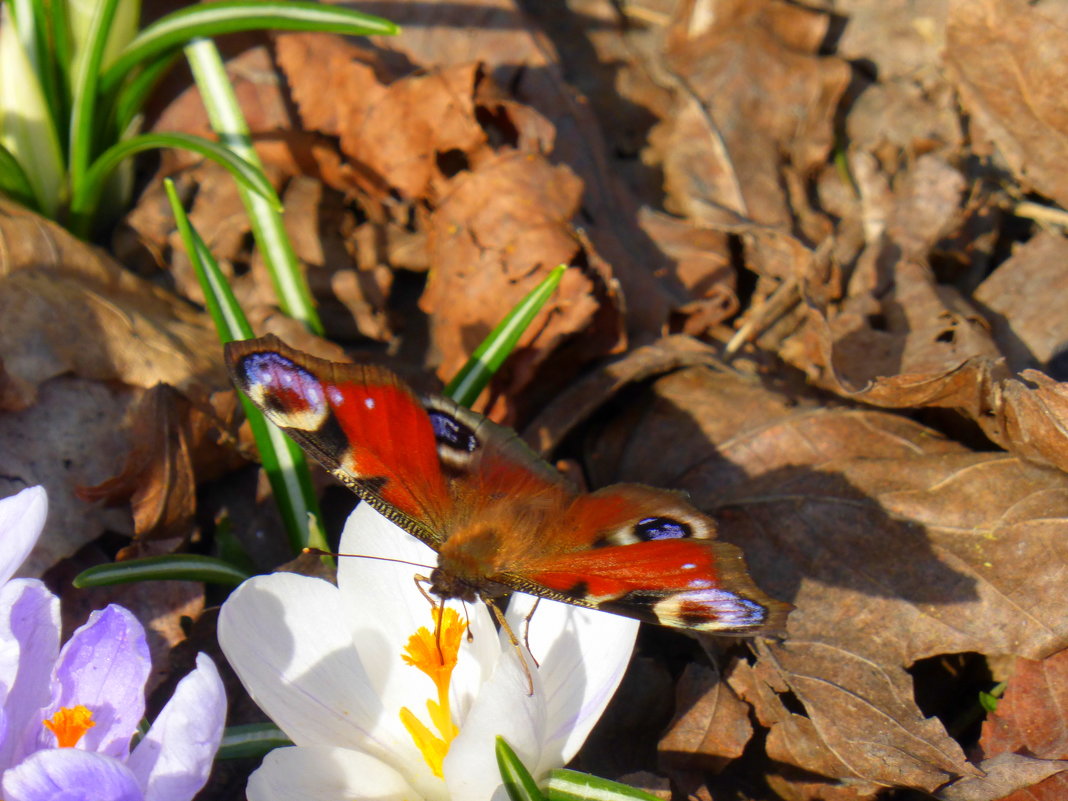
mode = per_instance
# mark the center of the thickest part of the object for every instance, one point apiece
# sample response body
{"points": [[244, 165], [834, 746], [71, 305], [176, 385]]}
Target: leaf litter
{"points": [[817, 270]]}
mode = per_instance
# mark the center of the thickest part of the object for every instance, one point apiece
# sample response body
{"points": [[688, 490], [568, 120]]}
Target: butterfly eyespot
{"points": [[456, 440], [709, 609], [661, 528], [288, 394]]}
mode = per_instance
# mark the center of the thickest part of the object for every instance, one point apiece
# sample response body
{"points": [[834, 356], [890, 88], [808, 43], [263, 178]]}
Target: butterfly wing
{"points": [[360, 422], [647, 554]]}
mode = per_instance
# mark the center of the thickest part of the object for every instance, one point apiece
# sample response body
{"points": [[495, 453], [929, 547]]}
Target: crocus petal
{"points": [[104, 667], [174, 759], [504, 707], [22, 517], [384, 607], [29, 645], [583, 655], [70, 774], [326, 774], [285, 637]]}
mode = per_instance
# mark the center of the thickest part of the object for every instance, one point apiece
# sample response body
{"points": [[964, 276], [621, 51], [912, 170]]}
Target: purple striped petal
{"points": [[29, 644], [70, 774], [174, 759], [103, 667]]}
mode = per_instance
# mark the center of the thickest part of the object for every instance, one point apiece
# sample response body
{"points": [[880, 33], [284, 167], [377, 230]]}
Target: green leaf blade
{"points": [[570, 785], [175, 567], [517, 779]]}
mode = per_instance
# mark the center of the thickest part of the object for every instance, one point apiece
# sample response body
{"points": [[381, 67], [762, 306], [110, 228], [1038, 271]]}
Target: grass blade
{"points": [[84, 201], [570, 785], [251, 740], [84, 89], [172, 567], [211, 19], [291, 288], [488, 357], [517, 779], [282, 459]]}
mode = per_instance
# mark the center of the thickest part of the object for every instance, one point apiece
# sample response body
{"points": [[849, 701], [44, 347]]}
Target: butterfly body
{"points": [[500, 518]]}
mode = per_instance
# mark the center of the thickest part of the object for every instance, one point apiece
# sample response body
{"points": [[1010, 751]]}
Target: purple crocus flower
{"points": [[68, 716]]}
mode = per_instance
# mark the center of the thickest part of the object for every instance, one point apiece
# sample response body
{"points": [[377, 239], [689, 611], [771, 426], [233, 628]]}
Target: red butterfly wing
{"points": [[360, 422], [646, 553], [685, 583]]}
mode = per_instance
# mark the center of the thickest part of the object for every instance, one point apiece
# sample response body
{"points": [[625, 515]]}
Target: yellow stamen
{"points": [[435, 653], [69, 724]]}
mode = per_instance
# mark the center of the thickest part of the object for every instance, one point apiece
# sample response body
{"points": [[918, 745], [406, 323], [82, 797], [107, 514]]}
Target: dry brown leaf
{"points": [[894, 544], [758, 103], [71, 436], [1032, 719], [1006, 776], [497, 233], [1009, 60], [68, 308], [175, 446], [711, 725], [440, 33], [1023, 299]]}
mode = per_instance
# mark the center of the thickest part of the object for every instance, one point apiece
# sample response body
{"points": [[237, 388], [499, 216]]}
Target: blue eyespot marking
{"points": [[661, 528], [285, 385]]}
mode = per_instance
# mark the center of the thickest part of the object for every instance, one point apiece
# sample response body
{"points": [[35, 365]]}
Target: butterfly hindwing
{"points": [[646, 553]]}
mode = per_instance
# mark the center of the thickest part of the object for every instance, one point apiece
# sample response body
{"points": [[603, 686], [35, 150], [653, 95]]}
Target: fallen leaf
{"points": [[71, 436], [68, 308], [1030, 721], [176, 445], [1007, 59], [498, 231], [711, 725], [894, 544]]}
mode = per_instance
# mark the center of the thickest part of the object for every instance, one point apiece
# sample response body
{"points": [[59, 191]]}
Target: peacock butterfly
{"points": [[500, 518]]}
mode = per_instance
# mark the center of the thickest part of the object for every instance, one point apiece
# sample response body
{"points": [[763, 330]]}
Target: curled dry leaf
{"points": [[894, 543], [518, 56], [68, 308], [499, 230], [921, 345], [1009, 60], [711, 725], [755, 103], [1032, 720], [176, 445]]}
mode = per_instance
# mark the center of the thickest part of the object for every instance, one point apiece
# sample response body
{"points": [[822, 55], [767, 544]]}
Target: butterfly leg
{"points": [[526, 630], [499, 615]]}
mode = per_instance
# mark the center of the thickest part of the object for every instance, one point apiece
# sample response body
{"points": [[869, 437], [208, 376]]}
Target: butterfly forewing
{"points": [[358, 421]]}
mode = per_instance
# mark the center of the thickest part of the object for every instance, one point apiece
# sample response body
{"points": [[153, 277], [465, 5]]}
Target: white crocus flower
{"points": [[364, 695]]}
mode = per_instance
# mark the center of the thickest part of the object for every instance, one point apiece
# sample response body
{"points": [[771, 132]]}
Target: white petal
{"points": [[326, 774], [22, 517], [384, 607], [285, 636], [506, 708], [583, 655], [174, 759]]}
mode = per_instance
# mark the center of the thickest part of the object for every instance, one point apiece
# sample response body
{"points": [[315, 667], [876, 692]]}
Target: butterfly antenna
{"points": [[321, 552], [499, 615]]}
